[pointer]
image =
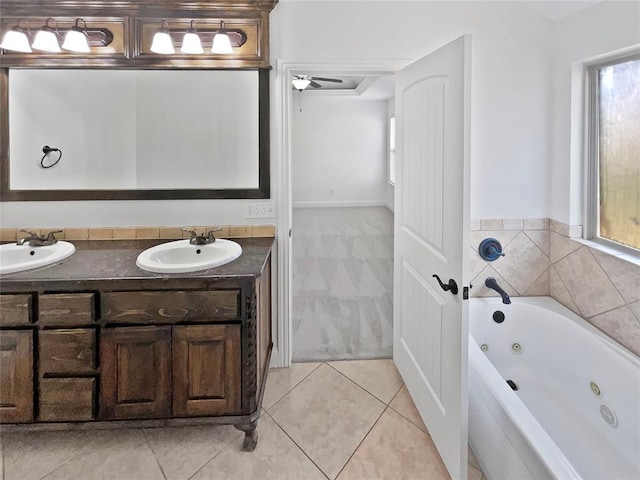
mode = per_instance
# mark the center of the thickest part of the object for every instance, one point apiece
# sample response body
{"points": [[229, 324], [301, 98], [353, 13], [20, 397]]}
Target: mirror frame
{"points": [[263, 190]]}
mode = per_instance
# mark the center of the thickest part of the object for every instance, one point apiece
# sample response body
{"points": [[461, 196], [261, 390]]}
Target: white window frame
{"points": [[392, 151], [592, 171]]}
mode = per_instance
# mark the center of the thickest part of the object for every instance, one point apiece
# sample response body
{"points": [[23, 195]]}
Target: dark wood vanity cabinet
{"points": [[135, 381], [16, 359], [125, 354], [206, 370], [16, 376]]}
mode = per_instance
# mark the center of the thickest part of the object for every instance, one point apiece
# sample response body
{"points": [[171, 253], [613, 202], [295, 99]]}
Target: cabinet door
{"points": [[135, 380], [206, 370], [16, 376]]}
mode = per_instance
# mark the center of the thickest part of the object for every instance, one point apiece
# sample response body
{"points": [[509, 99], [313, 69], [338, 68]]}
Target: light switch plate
{"points": [[260, 210]]}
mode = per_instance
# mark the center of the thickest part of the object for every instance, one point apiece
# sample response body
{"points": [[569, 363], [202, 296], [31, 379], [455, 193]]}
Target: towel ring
{"points": [[47, 150]]}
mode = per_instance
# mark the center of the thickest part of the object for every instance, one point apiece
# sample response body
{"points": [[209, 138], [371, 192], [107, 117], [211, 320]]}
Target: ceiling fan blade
{"points": [[315, 85], [334, 80]]}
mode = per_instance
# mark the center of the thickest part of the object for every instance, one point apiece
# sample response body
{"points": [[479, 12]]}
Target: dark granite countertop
{"points": [[111, 264]]}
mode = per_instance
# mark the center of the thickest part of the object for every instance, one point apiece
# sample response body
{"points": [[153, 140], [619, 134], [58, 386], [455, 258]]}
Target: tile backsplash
{"points": [[542, 258], [132, 233]]}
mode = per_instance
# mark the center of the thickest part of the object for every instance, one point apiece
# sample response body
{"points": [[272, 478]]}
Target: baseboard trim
{"points": [[338, 204]]}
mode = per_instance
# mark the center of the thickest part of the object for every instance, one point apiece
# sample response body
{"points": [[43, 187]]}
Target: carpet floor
{"points": [[342, 283]]}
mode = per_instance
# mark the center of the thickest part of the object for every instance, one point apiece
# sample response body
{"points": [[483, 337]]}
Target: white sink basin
{"points": [[16, 258], [182, 257]]}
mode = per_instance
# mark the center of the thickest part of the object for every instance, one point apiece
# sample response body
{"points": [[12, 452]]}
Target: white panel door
{"points": [[431, 232]]}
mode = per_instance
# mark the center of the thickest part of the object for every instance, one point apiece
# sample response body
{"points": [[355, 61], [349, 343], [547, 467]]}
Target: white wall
{"points": [[604, 28], [510, 86], [339, 150]]}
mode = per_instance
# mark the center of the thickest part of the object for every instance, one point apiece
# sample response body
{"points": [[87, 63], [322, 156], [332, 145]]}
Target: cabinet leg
{"points": [[250, 435]]}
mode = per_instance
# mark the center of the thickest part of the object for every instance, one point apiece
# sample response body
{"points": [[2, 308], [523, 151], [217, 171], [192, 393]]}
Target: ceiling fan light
{"points": [[300, 83], [16, 41]]}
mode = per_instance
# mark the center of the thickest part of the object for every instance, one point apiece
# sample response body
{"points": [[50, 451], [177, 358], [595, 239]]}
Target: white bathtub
{"points": [[552, 426]]}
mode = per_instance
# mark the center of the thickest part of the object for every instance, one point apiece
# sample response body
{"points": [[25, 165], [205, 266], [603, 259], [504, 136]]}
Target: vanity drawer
{"points": [[15, 310], [67, 399], [170, 307], [67, 351], [66, 309]]}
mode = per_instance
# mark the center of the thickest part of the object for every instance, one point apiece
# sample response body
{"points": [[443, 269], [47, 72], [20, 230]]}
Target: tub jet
{"points": [[498, 316]]}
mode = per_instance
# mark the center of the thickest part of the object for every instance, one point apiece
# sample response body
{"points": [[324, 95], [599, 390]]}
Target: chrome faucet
{"points": [[204, 239], [35, 240], [491, 282]]}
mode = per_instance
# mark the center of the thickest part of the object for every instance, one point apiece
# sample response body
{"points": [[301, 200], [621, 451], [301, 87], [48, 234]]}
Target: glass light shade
{"points": [[46, 41], [191, 43], [16, 41], [221, 44], [300, 83], [76, 41], [162, 43]]}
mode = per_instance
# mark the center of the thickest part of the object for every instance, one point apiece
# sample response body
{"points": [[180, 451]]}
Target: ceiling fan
{"points": [[300, 82]]}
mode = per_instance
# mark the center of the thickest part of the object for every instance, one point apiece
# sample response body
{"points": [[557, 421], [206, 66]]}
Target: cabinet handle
{"points": [[452, 286]]}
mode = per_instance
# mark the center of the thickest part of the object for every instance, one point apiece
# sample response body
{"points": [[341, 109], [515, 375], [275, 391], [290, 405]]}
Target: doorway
{"points": [[289, 102], [342, 235]]}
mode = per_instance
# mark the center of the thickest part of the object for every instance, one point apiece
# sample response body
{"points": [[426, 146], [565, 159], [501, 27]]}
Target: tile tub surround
{"points": [[143, 233], [602, 288], [342, 288], [543, 259], [392, 442], [524, 270]]}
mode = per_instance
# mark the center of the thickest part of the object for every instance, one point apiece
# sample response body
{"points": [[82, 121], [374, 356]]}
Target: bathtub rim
{"points": [[549, 303], [521, 417]]}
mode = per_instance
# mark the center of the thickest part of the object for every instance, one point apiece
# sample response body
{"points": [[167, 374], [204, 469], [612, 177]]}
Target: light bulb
{"points": [[221, 44], [162, 43], [16, 40], [300, 83], [191, 43], [46, 41], [76, 41]]}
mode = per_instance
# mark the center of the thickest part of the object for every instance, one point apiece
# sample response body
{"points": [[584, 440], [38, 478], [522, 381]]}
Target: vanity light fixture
{"points": [[162, 42], [76, 38], [16, 39], [46, 39], [191, 42], [221, 42]]}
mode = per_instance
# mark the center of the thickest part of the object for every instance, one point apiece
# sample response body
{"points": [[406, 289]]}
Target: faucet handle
{"points": [[188, 230], [50, 237], [33, 234]]}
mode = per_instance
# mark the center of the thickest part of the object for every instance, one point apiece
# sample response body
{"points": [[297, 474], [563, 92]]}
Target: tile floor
{"points": [[345, 420]]}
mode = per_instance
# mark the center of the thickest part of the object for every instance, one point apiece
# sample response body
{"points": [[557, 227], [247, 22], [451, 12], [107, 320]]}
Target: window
{"points": [[614, 153], [392, 150]]}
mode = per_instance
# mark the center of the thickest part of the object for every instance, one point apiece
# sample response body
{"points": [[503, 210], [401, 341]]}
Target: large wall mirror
{"points": [[134, 134]]}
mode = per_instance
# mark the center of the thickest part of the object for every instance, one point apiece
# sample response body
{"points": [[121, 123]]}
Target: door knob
{"points": [[452, 286]]}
